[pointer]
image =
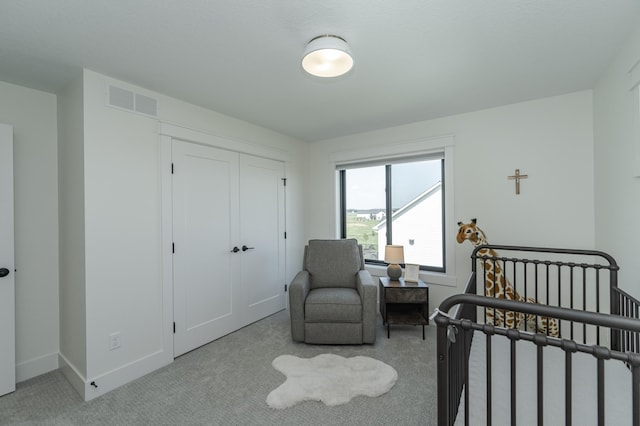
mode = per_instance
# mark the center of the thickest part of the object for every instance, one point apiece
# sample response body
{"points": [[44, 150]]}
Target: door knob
{"points": [[235, 250], [245, 248], [4, 272]]}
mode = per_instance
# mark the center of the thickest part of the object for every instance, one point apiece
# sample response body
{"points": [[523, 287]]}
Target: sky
{"points": [[365, 186]]}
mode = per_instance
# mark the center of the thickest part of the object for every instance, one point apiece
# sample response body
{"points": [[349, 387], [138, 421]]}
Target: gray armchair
{"points": [[333, 299]]}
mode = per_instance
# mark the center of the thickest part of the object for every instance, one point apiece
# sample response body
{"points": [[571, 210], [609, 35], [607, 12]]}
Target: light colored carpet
{"points": [[227, 381], [329, 378]]}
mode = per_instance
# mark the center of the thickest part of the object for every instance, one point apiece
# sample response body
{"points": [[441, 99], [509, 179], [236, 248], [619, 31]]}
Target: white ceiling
{"points": [[414, 59]]}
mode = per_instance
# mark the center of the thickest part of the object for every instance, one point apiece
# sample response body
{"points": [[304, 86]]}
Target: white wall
{"points": [[122, 225], [122, 235], [33, 115], [72, 300], [617, 164], [549, 139]]}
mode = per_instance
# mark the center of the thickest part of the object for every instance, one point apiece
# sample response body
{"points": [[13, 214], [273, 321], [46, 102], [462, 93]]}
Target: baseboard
{"points": [[34, 367], [72, 374], [99, 385]]}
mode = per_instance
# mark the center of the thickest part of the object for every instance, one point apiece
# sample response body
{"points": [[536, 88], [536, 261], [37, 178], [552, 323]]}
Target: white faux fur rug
{"points": [[329, 378]]}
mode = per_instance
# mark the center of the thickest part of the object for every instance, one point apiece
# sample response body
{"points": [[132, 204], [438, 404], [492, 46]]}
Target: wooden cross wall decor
{"points": [[517, 178]]}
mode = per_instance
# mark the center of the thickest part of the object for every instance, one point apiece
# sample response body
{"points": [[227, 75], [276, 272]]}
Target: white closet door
{"points": [[205, 219], [7, 281], [262, 230]]}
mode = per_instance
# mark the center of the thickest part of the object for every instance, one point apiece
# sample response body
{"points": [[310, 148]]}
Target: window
{"points": [[395, 202]]}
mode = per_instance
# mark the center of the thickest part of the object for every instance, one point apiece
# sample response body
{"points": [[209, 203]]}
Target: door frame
{"points": [[6, 138], [168, 132]]}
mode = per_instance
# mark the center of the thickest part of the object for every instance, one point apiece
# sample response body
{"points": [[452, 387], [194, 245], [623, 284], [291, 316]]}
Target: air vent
{"points": [[121, 98], [146, 105], [130, 101]]}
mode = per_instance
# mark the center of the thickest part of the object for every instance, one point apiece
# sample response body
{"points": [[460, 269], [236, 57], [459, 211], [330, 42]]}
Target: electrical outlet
{"points": [[114, 341]]}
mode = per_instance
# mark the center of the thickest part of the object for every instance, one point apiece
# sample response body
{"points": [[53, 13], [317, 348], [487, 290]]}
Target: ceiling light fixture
{"points": [[327, 56]]}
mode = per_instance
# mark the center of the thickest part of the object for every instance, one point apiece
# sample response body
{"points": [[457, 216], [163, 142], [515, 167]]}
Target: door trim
{"points": [[167, 244], [225, 142], [7, 260]]}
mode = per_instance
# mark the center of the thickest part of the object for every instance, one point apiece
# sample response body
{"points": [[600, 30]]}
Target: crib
{"points": [[488, 374]]}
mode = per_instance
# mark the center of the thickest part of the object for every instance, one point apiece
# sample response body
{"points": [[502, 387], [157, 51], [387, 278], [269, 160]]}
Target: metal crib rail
{"points": [[592, 318]]}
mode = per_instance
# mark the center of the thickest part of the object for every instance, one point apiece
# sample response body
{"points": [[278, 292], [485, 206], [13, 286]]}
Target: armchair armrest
{"points": [[369, 295], [298, 291]]}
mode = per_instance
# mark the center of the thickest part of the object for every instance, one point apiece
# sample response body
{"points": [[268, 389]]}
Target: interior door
{"points": [[205, 221], [262, 227], [7, 281]]}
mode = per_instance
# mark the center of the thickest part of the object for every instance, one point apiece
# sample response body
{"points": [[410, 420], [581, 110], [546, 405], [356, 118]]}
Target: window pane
{"points": [[416, 201], [365, 207]]}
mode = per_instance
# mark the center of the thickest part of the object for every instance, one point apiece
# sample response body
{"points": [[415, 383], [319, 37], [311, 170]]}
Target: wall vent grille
{"points": [[128, 100]]}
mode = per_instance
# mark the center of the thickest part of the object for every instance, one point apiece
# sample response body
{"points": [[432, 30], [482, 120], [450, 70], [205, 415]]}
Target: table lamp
{"points": [[394, 255]]}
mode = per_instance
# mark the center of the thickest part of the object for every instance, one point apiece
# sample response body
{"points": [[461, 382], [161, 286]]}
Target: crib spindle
{"points": [[598, 300], [627, 312], [559, 294], [467, 342], [637, 335], [547, 278], [569, 347], [540, 378], [535, 286], [600, 392], [568, 398], [584, 301], [489, 386], [601, 353], [635, 393], [513, 335], [571, 266]]}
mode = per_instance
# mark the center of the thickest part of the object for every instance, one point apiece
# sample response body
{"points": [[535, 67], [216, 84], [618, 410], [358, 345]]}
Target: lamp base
{"points": [[394, 271]]}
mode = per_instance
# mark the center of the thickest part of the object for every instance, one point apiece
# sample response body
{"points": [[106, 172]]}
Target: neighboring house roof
{"points": [[411, 204]]}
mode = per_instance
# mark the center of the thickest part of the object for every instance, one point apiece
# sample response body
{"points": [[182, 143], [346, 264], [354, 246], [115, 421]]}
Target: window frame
{"points": [[342, 186]]}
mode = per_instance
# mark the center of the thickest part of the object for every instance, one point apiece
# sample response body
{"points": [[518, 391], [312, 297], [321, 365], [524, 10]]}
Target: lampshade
{"points": [[394, 254], [327, 56]]}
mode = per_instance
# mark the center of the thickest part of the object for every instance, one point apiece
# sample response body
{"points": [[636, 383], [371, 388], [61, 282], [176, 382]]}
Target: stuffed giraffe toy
{"points": [[497, 285]]}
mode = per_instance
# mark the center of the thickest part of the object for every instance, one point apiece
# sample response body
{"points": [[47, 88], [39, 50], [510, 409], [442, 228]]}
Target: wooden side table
{"points": [[404, 303]]}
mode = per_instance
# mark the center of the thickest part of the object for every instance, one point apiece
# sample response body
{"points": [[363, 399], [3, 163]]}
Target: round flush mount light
{"points": [[327, 56]]}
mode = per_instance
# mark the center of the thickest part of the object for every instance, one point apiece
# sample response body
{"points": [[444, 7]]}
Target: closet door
{"points": [[205, 230], [262, 204]]}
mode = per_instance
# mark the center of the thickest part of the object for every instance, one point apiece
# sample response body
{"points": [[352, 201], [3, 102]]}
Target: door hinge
{"points": [[174, 327], [285, 235], [285, 288], [171, 168], [284, 181], [173, 247]]}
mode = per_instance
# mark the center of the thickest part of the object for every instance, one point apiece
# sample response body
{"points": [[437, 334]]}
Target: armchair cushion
{"points": [[333, 263], [333, 305]]}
